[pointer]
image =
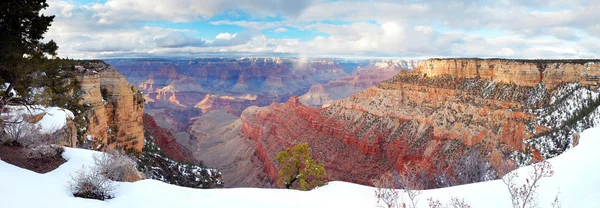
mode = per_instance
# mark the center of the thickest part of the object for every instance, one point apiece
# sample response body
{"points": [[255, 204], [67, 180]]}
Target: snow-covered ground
{"points": [[576, 177], [55, 118]]}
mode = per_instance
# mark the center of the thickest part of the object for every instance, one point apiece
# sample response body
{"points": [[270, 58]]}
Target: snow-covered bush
{"points": [[45, 151], [91, 184], [117, 166]]}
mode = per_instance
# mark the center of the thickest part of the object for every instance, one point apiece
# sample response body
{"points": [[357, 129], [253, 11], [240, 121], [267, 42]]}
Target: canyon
{"points": [[363, 118], [200, 100], [434, 115]]}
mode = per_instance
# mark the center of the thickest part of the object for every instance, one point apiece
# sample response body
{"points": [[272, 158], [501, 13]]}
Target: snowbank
{"points": [[55, 118], [576, 177]]}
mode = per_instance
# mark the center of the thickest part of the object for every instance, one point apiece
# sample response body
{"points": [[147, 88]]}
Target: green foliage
{"points": [[22, 53], [296, 165]]}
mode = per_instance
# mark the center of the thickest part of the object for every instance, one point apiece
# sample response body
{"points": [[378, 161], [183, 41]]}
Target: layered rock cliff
{"points": [[432, 116], [115, 107]]}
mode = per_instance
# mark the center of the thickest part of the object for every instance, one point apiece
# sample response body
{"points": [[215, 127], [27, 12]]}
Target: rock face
{"points": [[519, 72], [431, 117], [115, 107]]}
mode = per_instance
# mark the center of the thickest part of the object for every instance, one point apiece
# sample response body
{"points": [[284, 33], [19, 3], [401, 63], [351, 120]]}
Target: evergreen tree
{"points": [[295, 164], [21, 51]]}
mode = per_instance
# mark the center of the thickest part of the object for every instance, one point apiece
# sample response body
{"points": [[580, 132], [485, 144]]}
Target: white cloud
{"points": [[531, 28], [176, 40], [280, 30], [226, 36]]}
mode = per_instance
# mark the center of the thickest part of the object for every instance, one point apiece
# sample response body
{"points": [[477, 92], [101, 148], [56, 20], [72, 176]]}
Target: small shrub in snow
{"points": [[386, 191], [525, 195], [22, 133], [387, 185], [45, 152], [117, 166], [91, 184], [556, 202], [454, 203]]}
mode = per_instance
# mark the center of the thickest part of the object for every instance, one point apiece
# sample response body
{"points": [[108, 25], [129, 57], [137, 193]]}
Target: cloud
{"points": [[177, 40], [116, 11], [510, 28], [280, 30]]}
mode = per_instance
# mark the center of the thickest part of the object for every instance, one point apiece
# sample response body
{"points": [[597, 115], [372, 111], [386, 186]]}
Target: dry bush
{"points": [[117, 166], [525, 195], [413, 181], [472, 167], [455, 202], [45, 151], [386, 191], [556, 202], [388, 184], [22, 133], [91, 184]]}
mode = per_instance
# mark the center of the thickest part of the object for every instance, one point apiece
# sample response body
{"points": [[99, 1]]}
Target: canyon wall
{"points": [[519, 72], [429, 118], [114, 107]]}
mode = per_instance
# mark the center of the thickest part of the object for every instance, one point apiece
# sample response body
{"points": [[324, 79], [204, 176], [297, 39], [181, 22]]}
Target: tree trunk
{"points": [[289, 184]]}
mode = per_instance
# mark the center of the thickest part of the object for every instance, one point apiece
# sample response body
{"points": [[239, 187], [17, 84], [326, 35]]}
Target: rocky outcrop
{"points": [[114, 107], [430, 117], [519, 72]]}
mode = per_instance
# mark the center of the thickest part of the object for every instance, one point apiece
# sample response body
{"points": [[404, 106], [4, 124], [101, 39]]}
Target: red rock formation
{"points": [[429, 117], [116, 107]]}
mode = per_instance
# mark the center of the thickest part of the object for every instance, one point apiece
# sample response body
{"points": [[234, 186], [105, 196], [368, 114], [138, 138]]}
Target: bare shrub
{"points": [[455, 202], [472, 167], [45, 151], [525, 195], [22, 133], [412, 180], [387, 188], [556, 202], [386, 191], [91, 184], [117, 166]]}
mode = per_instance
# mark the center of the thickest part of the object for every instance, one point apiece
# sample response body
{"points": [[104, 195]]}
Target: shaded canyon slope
{"points": [[508, 111]]}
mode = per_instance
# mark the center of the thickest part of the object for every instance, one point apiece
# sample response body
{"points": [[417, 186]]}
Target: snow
{"points": [[54, 119], [6, 85], [576, 177]]}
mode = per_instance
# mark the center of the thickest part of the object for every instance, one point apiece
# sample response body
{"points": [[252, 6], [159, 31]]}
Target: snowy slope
{"points": [[55, 118], [576, 176]]}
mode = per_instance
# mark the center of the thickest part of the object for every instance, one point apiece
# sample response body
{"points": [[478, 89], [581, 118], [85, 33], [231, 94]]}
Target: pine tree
{"points": [[21, 51], [296, 165]]}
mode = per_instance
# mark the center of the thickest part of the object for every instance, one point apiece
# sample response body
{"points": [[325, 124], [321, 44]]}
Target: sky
{"points": [[326, 28]]}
